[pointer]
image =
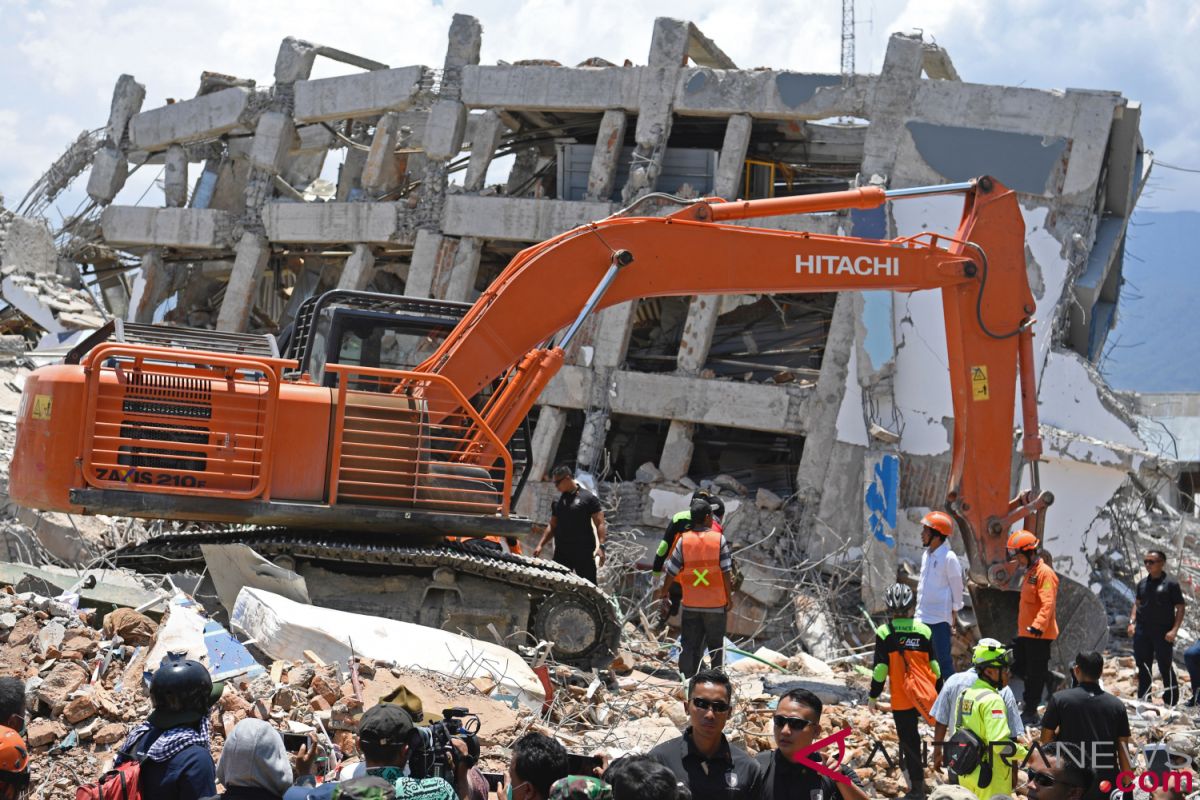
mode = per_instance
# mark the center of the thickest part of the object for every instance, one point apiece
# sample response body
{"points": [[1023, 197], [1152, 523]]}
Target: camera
{"points": [[431, 753]]}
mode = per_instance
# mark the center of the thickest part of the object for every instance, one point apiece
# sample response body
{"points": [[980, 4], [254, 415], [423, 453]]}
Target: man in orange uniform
{"points": [[1037, 626], [704, 563]]}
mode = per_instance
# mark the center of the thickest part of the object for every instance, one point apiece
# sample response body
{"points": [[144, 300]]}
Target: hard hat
{"points": [[1022, 540], [991, 653], [14, 763], [899, 597], [940, 521], [182, 691]]}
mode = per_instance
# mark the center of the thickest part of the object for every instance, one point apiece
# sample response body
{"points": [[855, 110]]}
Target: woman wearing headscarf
{"points": [[254, 763]]}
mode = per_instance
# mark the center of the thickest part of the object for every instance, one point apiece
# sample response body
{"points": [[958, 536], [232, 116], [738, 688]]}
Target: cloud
{"points": [[62, 58]]}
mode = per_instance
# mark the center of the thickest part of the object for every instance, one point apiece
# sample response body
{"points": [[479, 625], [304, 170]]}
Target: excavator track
{"points": [[565, 609]]}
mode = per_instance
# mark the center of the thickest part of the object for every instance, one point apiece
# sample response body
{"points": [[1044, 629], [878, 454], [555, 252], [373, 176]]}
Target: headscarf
{"points": [[170, 742], [255, 758], [580, 787]]}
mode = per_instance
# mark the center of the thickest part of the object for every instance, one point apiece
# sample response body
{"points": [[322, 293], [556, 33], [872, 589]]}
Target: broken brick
{"points": [[319, 703], [109, 734], [64, 678], [42, 732], [79, 709]]}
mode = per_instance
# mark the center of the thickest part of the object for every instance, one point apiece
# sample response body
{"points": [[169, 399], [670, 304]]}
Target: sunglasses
{"points": [[795, 723], [1046, 780], [1149, 561], [719, 706]]}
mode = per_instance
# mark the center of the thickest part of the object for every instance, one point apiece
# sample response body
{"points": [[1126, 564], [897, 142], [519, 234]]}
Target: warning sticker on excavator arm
{"points": [[979, 383], [42, 405]]}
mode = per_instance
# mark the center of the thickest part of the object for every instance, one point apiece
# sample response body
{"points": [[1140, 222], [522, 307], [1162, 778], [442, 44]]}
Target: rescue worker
{"points": [[1037, 624], [14, 764], [980, 710], [905, 645], [174, 743], [577, 526], [704, 564], [680, 523], [940, 588]]}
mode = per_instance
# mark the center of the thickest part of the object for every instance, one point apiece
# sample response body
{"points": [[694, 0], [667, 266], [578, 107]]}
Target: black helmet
{"points": [[182, 691], [714, 501], [899, 597]]}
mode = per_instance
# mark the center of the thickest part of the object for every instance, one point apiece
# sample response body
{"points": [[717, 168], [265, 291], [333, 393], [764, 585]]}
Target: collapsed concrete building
{"points": [[794, 406]]}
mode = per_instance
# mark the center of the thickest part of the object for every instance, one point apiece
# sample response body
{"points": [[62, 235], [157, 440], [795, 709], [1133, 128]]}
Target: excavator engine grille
{"points": [[179, 421]]}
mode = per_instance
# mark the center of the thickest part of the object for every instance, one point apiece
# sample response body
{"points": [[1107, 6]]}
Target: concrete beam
{"points": [[705, 52], [731, 166], [248, 266], [331, 223], [937, 64], [189, 120], [486, 130], [551, 88], [701, 401], [361, 95], [521, 219], [134, 226], [358, 270], [1124, 144], [175, 177], [606, 156], [769, 94]]}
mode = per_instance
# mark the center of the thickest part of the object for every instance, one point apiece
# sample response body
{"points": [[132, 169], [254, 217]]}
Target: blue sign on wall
{"points": [[883, 499]]}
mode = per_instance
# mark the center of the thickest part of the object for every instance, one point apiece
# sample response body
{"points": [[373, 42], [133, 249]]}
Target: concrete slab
{"points": [[360, 95], [331, 223], [189, 120], [134, 226]]}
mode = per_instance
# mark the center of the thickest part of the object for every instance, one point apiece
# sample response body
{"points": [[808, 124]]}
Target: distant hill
{"points": [[1157, 315]]}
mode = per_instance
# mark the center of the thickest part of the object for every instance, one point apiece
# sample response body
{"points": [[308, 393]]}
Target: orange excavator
{"points": [[384, 433]]}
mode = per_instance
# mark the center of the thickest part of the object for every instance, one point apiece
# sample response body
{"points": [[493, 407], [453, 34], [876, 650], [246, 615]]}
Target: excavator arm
{"points": [[980, 271]]}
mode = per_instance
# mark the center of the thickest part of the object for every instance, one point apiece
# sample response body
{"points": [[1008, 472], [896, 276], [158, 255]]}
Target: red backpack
{"points": [[119, 783]]}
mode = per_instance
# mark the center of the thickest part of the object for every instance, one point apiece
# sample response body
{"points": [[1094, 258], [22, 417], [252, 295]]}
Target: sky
{"points": [[59, 59]]}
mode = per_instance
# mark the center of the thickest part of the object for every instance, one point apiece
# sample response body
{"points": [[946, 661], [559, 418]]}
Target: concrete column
{"points": [[822, 411], [379, 174], [109, 167], [175, 177], [307, 283], [489, 129], [656, 98], [890, 102], [426, 255], [677, 450], [461, 281], [547, 435], [249, 262], [606, 157], [358, 270], [693, 352], [156, 282], [731, 165], [350, 174], [611, 340]]}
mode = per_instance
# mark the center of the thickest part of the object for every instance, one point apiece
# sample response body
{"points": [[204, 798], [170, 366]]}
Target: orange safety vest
{"points": [[701, 578]]}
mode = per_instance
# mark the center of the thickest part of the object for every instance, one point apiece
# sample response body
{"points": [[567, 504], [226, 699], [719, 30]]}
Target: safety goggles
{"points": [[718, 706], [795, 723]]}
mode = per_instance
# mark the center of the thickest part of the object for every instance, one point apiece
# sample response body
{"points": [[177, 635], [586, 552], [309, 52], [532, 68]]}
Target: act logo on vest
{"points": [[866, 266]]}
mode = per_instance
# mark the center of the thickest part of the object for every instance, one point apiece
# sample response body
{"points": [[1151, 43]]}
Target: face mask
{"points": [[509, 790]]}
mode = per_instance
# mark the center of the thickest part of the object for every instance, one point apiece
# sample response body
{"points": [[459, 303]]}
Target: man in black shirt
{"points": [[1154, 623], [797, 722], [576, 523], [702, 759], [1090, 723]]}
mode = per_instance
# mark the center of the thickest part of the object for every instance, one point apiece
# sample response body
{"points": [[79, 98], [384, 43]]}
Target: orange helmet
{"points": [[1022, 540], [939, 521], [14, 763]]}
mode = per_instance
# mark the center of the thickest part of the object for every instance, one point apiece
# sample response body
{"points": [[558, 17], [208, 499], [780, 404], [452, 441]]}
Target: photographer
{"points": [[384, 736]]}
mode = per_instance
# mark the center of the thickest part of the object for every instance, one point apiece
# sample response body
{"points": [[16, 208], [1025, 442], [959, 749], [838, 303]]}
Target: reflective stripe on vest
{"points": [[701, 578]]}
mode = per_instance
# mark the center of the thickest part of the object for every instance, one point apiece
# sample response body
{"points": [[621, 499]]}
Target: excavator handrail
{"points": [[478, 435], [244, 456]]}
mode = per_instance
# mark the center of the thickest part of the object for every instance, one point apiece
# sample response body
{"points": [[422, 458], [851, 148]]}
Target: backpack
{"points": [[921, 686], [119, 783]]}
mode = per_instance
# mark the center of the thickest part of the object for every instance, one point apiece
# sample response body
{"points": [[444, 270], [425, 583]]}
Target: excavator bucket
{"points": [[1082, 620]]}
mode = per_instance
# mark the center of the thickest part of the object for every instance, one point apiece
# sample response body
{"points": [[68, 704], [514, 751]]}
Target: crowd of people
{"points": [[984, 738]]}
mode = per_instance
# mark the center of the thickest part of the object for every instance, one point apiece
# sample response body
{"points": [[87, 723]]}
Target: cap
{"points": [[386, 725]]}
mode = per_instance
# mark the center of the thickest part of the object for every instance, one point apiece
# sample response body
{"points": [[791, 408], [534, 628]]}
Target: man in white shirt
{"points": [[940, 590]]}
